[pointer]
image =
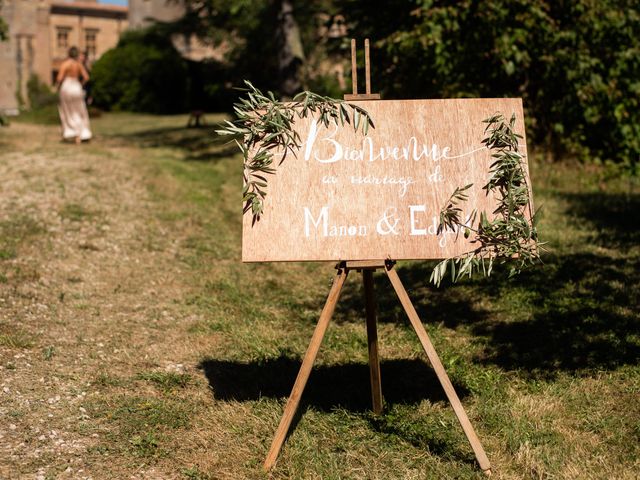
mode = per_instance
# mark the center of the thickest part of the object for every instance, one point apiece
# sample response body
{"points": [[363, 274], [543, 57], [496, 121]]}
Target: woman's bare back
{"points": [[72, 69]]}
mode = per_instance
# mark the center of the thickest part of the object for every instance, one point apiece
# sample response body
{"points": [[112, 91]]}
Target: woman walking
{"points": [[72, 109]]}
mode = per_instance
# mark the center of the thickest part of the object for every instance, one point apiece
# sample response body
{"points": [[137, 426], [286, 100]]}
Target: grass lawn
{"points": [[135, 344]]}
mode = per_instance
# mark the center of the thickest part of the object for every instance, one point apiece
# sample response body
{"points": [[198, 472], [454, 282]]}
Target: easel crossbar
{"points": [[367, 268]]}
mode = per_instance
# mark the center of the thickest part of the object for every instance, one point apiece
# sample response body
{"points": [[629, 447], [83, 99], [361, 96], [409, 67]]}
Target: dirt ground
{"points": [[88, 284]]}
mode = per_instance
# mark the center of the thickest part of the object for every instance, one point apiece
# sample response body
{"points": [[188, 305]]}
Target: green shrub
{"points": [[209, 87], [144, 73], [39, 93]]}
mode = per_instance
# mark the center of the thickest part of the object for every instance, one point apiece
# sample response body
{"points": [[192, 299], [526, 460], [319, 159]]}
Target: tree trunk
{"points": [[290, 52]]}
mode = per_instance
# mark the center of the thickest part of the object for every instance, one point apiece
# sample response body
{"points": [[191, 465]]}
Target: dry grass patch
{"points": [[13, 337]]}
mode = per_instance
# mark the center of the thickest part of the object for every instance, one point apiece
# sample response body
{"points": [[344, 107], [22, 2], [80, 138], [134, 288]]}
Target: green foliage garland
{"points": [[266, 126], [510, 237]]}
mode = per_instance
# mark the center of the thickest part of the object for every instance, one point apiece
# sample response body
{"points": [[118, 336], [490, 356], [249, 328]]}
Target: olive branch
{"points": [[510, 237], [266, 127]]}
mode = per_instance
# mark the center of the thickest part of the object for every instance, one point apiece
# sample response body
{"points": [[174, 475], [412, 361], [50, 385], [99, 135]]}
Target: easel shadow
{"points": [[559, 328], [339, 386], [343, 385]]}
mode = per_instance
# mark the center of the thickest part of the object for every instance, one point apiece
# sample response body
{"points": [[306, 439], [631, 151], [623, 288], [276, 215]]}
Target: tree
{"points": [[265, 40], [574, 63], [290, 51]]}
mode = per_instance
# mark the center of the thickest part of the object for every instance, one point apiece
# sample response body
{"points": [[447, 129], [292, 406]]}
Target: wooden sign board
{"points": [[347, 196]]}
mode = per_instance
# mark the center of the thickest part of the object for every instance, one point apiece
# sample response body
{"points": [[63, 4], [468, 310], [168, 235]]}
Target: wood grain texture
{"points": [[360, 264], [350, 197], [361, 96]]}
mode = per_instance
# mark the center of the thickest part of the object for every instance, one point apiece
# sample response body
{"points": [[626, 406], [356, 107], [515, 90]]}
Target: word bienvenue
{"points": [[414, 222], [411, 150]]}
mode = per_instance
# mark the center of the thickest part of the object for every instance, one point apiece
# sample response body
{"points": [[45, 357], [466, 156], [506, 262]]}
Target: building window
{"points": [[90, 36], [63, 37]]}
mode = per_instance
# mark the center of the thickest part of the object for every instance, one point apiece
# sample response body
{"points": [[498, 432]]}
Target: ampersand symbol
{"points": [[384, 226]]}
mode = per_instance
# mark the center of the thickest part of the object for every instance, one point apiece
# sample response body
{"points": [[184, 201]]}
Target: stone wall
{"points": [[33, 47], [143, 12], [19, 55]]}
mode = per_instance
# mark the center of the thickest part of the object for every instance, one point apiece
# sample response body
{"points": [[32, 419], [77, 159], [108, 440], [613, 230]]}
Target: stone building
{"points": [[143, 13], [40, 34]]}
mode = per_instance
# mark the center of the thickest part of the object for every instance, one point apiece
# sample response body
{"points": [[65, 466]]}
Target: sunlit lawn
{"points": [[546, 364]]}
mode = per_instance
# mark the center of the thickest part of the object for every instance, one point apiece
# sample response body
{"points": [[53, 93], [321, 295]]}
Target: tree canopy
{"points": [[576, 64]]}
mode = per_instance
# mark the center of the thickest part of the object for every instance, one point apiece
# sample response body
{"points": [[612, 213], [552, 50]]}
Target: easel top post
{"points": [[354, 74]]}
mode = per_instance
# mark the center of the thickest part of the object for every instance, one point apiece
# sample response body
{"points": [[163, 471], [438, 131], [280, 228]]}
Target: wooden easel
{"points": [[367, 267]]}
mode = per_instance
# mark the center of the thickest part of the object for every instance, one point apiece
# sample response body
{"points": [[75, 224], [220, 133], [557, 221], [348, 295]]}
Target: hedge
{"points": [[144, 73]]}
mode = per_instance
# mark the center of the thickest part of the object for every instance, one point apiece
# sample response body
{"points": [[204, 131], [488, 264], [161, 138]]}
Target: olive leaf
{"points": [[266, 128], [510, 237]]}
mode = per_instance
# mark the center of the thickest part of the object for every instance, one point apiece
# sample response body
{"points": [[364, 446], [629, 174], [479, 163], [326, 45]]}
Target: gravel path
{"points": [[88, 283]]}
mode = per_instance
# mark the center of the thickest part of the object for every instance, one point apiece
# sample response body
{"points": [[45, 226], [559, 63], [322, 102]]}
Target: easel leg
{"points": [[305, 369], [372, 340], [481, 456]]}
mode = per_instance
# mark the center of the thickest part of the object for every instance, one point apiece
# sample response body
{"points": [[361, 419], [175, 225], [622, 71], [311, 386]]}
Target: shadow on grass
{"points": [[581, 310], [612, 216], [200, 144], [346, 386], [343, 385]]}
